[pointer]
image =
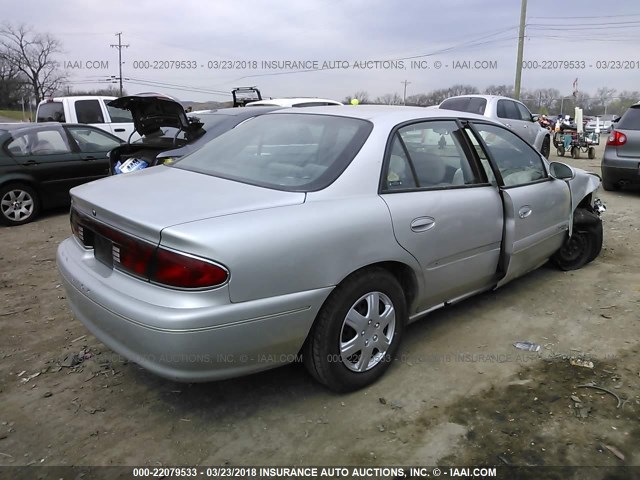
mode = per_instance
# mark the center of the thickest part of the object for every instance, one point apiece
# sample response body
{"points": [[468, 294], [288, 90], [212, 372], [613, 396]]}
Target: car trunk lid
{"points": [[144, 203]]}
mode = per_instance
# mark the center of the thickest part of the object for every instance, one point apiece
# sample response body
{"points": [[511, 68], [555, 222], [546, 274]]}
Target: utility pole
{"points": [[523, 18], [119, 46], [404, 95]]}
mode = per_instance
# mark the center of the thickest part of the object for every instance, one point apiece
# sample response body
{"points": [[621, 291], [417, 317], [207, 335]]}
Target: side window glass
{"points": [[90, 140], [398, 175], [436, 153], [525, 114], [89, 111], [484, 161], [507, 109], [518, 163], [50, 142], [119, 115]]}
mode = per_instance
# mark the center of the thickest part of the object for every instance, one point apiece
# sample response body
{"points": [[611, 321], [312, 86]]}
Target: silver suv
{"points": [[621, 159], [512, 113]]}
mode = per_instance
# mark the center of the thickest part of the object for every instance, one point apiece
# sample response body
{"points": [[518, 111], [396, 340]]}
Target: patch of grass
{"points": [[13, 114]]}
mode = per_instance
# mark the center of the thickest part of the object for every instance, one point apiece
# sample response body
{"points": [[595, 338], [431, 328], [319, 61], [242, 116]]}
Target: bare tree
{"points": [[502, 90], [603, 96], [32, 54], [360, 95], [12, 85], [389, 99]]}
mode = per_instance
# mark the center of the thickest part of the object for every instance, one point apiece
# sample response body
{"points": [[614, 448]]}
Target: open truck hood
{"points": [[152, 111]]}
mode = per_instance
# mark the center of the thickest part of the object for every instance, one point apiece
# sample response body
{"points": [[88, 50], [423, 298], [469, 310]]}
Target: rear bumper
{"points": [[619, 170], [183, 342]]}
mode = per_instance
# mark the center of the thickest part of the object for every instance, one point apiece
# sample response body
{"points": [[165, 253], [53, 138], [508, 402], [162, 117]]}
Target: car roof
{"points": [[382, 113], [235, 112], [486, 97], [25, 126], [290, 101], [76, 97]]}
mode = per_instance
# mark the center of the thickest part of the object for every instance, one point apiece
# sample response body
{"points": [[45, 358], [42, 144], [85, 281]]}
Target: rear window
{"points": [[630, 120], [50, 112], [294, 152], [465, 104]]}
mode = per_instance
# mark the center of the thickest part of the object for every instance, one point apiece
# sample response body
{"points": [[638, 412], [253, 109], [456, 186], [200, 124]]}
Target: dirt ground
{"points": [[459, 394]]}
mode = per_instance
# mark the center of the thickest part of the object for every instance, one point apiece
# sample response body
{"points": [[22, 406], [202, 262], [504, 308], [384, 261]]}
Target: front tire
{"points": [[584, 245], [546, 147], [19, 204], [357, 332]]}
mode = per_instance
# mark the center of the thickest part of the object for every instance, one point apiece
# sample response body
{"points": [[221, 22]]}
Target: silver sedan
{"points": [[316, 234]]}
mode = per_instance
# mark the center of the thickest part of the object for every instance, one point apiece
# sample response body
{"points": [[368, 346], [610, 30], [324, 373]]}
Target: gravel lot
{"points": [[459, 394]]}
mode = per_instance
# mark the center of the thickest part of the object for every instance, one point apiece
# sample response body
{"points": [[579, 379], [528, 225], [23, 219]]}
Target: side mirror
{"points": [[561, 171], [535, 118]]}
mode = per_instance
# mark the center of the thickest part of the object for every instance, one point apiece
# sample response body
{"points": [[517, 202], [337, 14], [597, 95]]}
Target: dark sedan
{"points": [[39, 163]]}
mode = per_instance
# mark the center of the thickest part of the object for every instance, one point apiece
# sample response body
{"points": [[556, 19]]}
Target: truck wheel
{"points": [[575, 152], [592, 153]]}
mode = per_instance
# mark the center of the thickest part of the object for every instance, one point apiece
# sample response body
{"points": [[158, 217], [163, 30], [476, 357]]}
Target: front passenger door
{"points": [[537, 207]]}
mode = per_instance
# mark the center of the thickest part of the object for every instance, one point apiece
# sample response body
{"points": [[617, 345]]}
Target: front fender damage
{"points": [[584, 187]]}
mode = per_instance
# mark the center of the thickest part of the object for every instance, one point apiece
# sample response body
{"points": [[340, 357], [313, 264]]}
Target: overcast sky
{"points": [[205, 32]]}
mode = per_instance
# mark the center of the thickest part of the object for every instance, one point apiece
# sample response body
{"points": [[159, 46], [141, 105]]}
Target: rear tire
{"points": [[357, 332], [19, 204], [584, 245]]}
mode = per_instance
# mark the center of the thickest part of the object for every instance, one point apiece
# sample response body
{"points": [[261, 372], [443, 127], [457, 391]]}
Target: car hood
{"points": [[144, 203], [152, 111]]}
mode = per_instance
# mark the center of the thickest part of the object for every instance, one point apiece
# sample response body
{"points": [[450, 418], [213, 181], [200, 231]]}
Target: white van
{"points": [[92, 110]]}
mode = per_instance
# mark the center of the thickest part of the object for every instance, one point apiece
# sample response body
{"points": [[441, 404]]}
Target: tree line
{"points": [[544, 101]]}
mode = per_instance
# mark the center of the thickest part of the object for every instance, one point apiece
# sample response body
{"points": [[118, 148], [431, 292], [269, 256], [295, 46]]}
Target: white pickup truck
{"points": [[92, 110]]}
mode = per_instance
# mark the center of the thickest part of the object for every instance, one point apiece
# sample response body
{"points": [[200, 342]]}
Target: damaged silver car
{"points": [[322, 231]]}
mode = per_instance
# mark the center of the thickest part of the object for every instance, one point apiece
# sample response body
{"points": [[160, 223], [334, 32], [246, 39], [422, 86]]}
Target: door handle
{"points": [[31, 162], [422, 224], [89, 157], [525, 211], [524, 126], [118, 129]]}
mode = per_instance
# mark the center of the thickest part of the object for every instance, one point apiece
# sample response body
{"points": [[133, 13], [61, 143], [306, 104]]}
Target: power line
{"points": [[597, 16]]}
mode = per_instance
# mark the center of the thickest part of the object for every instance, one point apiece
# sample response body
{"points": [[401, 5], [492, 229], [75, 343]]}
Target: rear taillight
{"points": [[145, 260], [183, 271], [616, 139]]}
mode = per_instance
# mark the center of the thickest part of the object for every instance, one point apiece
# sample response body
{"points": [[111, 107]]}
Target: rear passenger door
{"points": [[94, 146], [537, 208], [46, 155], [121, 123], [443, 209]]}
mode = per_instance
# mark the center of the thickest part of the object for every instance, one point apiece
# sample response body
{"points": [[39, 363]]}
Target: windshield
{"points": [[295, 152]]}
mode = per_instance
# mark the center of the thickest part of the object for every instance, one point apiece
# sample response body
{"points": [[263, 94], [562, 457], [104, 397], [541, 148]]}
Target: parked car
{"points": [[39, 163], [621, 159], [320, 230], [167, 132], [604, 126], [294, 102], [512, 113], [91, 110]]}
